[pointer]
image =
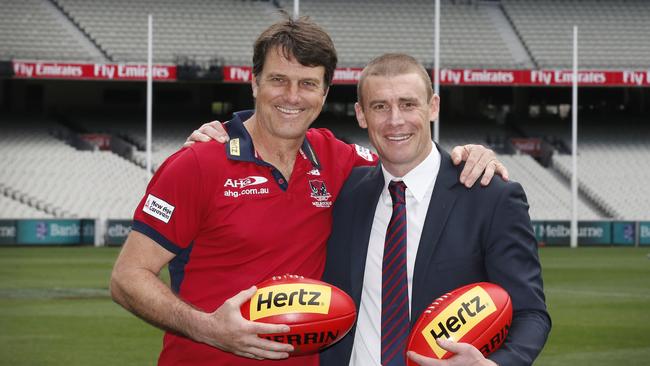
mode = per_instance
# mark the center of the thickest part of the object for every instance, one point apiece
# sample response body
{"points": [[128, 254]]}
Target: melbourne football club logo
{"points": [[320, 194]]}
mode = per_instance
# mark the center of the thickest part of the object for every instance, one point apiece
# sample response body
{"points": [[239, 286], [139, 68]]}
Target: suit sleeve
{"points": [[512, 261]]}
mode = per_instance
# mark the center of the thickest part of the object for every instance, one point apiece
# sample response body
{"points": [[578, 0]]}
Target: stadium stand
{"points": [[613, 169], [200, 29], [548, 196], [612, 34], [362, 30], [224, 30], [51, 176], [14, 209], [474, 34], [30, 30]]}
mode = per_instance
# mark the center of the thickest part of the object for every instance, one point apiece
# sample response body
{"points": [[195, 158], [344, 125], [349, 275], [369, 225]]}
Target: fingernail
{"points": [[221, 139]]}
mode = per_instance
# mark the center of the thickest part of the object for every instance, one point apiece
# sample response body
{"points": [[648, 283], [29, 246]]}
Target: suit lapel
{"points": [[368, 192], [442, 201]]}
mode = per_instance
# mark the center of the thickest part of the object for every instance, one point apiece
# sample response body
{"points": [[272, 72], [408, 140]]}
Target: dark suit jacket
{"points": [[469, 235]]}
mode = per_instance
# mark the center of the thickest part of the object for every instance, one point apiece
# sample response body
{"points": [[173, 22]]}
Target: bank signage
{"points": [[48, 231]]}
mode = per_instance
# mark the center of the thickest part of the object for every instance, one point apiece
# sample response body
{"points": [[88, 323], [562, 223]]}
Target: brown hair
{"points": [[394, 64], [301, 39]]}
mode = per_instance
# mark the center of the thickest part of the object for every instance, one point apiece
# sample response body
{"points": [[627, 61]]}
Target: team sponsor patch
{"points": [[364, 152], [313, 172], [158, 208], [320, 194]]}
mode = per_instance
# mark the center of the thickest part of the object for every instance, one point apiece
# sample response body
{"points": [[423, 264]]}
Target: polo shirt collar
{"points": [[240, 147]]}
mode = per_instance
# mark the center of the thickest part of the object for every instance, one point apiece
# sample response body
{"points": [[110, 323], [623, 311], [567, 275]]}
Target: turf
{"points": [[55, 309]]}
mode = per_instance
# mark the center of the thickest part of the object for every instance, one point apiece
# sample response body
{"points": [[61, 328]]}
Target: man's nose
{"points": [[293, 93], [396, 117]]}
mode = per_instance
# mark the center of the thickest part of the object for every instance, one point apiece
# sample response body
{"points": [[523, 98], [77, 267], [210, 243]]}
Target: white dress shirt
{"points": [[419, 182]]}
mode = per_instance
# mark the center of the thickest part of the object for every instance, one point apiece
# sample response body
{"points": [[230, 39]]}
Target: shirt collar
{"points": [[419, 179], [240, 147]]}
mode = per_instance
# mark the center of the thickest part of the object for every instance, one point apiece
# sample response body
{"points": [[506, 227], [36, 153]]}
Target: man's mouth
{"points": [[398, 138], [289, 110]]}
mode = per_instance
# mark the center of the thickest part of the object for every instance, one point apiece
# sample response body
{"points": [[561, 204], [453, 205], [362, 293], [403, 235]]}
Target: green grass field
{"points": [[55, 309]]}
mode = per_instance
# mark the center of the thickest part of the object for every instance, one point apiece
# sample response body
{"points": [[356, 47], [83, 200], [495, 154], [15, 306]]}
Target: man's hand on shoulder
{"points": [[464, 355], [208, 131], [478, 160], [227, 330]]}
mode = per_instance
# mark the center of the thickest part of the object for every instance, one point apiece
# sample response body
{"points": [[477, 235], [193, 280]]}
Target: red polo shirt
{"points": [[233, 221]]}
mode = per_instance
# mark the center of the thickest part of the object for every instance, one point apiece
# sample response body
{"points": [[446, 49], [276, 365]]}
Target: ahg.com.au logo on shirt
{"points": [[242, 183]]}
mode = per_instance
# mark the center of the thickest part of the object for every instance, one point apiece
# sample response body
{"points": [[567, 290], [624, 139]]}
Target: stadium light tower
{"points": [[574, 144], [436, 66]]}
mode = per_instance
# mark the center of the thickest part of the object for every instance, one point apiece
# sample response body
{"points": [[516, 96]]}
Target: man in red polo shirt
{"points": [[225, 217]]}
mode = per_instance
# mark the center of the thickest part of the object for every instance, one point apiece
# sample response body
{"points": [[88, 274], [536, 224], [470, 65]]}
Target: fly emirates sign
{"points": [[81, 71]]}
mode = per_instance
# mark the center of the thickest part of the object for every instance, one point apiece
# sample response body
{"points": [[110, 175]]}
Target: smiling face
{"points": [[288, 96], [397, 114]]}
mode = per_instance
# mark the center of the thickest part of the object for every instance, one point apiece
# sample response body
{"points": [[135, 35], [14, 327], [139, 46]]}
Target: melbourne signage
{"points": [[558, 233], [117, 231]]}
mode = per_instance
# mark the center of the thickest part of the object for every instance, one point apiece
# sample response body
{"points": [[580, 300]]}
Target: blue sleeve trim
{"points": [[147, 230]]}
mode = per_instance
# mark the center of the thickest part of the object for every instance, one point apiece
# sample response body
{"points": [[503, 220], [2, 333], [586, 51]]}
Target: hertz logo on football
{"points": [[317, 313], [459, 318], [290, 298], [479, 314]]}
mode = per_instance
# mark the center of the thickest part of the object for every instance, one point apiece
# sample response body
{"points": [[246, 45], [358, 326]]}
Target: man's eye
{"points": [[409, 105], [379, 107]]}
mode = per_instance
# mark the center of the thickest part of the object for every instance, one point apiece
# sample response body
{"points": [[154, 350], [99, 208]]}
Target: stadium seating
{"points": [[549, 196], [14, 209], [54, 178], [612, 169], [200, 29], [612, 34], [29, 30], [362, 30]]}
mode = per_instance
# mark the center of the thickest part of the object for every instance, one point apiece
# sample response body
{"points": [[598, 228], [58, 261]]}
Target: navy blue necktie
{"points": [[394, 291]]}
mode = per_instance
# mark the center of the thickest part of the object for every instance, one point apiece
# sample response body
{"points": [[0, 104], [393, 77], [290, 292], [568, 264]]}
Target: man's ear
{"points": [[361, 118], [434, 107], [325, 96], [254, 86]]}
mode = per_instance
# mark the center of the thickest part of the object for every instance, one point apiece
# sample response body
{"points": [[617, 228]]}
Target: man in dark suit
{"points": [[454, 235]]}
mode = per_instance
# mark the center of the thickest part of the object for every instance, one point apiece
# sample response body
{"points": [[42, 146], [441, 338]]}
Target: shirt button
{"points": [[281, 181]]}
